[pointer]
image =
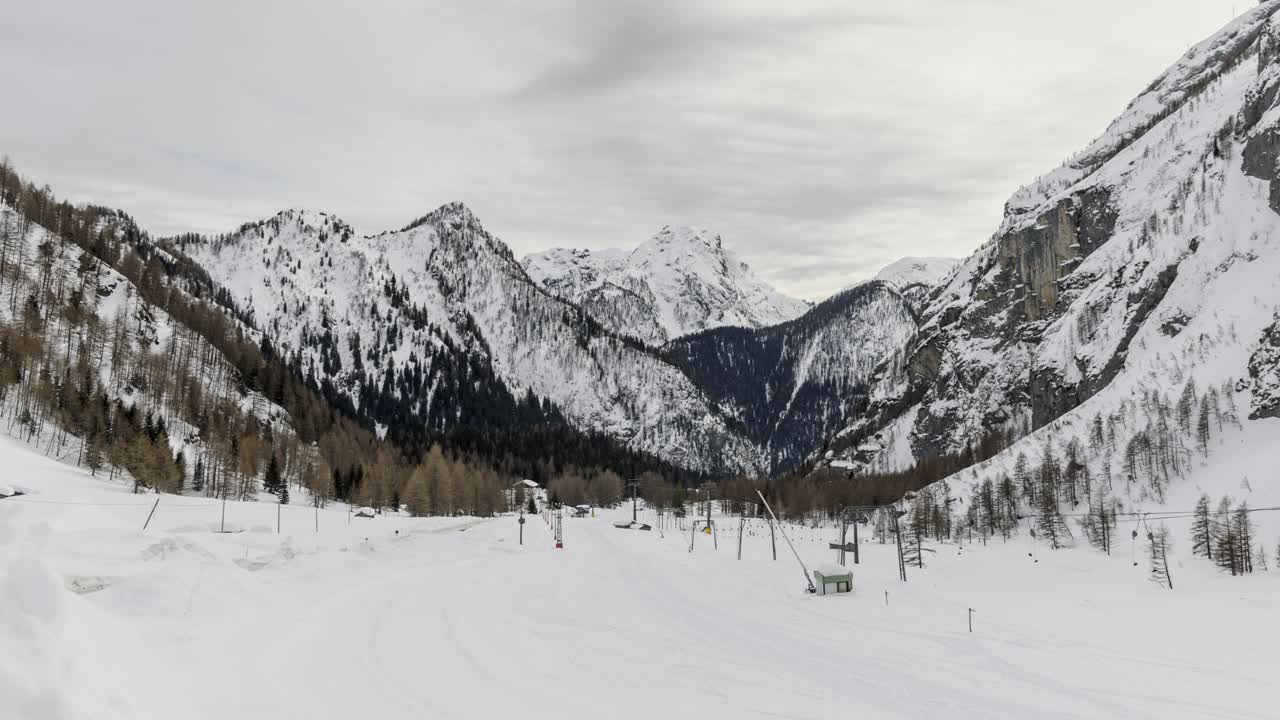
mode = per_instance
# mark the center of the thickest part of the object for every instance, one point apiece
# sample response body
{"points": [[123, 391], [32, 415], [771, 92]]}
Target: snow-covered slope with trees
{"points": [[790, 385], [1120, 327], [681, 281], [380, 316]]}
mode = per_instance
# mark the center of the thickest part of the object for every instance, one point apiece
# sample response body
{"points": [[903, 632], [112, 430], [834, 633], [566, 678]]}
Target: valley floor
{"points": [[451, 618]]}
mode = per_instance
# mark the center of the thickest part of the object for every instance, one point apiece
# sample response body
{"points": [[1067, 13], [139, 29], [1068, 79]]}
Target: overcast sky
{"points": [[822, 139]]}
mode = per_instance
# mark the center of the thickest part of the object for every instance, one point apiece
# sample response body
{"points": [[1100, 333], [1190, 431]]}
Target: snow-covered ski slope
{"points": [[452, 618]]}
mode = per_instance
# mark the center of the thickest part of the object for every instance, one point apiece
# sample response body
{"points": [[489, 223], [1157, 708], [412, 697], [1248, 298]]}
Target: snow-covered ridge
{"points": [[1150, 264], [912, 271], [681, 281], [443, 294], [1201, 65]]}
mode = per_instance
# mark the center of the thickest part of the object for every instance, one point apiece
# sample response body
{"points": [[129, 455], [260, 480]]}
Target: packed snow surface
{"points": [[397, 617]]}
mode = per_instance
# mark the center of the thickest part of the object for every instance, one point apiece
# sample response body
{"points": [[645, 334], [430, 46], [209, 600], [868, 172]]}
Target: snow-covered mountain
{"points": [[791, 385], [411, 318], [681, 281], [1146, 263]]}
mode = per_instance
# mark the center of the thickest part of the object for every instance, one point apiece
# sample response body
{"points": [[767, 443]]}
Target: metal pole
{"points": [[808, 580], [153, 512], [773, 541], [709, 528], [856, 549], [223, 526], [897, 532], [844, 533], [317, 503], [742, 520]]}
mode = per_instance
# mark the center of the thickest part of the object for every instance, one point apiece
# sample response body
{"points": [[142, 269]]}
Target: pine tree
{"points": [[1049, 520], [1186, 407], [1022, 477], [1203, 428], [93, 454], [1242, 525], [1009, 505], [1202, 529], [272, 482], [1158, 554], [1100, 523], [1260, 559], [197, 476], [417, 491]]}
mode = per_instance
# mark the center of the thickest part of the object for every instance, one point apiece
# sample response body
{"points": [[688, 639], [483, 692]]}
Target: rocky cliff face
{"points": [[1103, 259], [1263, 379]]}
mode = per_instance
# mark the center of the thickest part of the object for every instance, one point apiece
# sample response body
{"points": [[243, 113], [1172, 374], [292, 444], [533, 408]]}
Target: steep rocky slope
{"points": [[790, 385], [1146, 261]]}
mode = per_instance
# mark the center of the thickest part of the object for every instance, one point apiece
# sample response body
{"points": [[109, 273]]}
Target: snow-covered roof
{"points": [[833, 569], [525, 483], [6, 491]]}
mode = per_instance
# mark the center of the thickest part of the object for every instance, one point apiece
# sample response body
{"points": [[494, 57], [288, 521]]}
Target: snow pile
{"points": [[63, 658], [32, 624]]}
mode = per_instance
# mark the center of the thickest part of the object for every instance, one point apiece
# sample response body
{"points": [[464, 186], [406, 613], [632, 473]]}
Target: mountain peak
{"points": [[680, 281], [908, 271], [687, 236], [453, 214]]}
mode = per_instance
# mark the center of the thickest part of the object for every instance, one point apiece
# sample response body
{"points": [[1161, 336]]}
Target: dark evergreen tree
{"points": [[1202, 529], [272, 481]]}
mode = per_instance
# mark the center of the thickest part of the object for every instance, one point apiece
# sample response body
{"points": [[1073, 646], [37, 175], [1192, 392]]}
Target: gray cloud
{"points": [[821, 138]]}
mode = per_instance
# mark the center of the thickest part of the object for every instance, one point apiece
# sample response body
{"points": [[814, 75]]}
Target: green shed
{"points": [[831, 579]]}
